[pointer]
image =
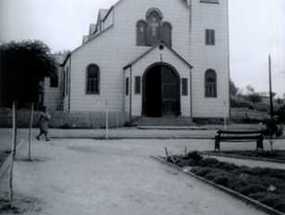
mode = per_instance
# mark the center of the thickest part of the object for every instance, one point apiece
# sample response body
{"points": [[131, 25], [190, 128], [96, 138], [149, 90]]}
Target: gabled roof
{"points": [[103, 13], [66, 59], [152, 49], [187, 2]]}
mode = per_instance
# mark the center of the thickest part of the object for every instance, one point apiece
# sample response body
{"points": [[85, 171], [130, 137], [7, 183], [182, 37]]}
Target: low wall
{"points": [[65, 120], [116, 119], [238, 115]]}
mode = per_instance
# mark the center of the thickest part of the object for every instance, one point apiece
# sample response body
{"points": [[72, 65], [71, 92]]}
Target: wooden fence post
{"points": [[107, 120], [117, 120], [13, 153], [30, 133]]}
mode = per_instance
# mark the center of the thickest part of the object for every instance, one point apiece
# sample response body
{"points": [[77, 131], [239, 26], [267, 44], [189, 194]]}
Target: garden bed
{"points": [[277, 156], [262, 185]]}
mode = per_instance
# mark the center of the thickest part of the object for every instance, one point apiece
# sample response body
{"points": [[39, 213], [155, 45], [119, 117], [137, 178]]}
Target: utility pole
{"points": [[271, 104], [13, 154], [270, 87]]}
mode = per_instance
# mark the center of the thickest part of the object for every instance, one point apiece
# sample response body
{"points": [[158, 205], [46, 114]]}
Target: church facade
{"points": [[152, 58]]}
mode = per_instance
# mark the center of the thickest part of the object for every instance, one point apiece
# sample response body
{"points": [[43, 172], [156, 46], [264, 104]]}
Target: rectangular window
{"points": [[184, 87], [210, 37], [127, 86], [211, 90], [93, 84], [137, 85]]}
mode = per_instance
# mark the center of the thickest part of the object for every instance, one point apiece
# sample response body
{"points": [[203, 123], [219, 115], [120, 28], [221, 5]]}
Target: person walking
{"points": [[43, 124]]}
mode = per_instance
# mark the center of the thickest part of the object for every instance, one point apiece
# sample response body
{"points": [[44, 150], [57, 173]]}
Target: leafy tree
{"points": [[273, 94], [250, 89], [23, 66], [281, 114], [254, 98], [233, 88], [279, 101]]}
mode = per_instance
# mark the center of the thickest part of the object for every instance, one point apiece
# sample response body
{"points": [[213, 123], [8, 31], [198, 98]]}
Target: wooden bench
{"points": [[236, 136]]}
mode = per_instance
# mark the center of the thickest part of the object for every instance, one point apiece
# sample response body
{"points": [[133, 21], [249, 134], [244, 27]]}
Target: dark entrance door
{"points": [[161, 92]]}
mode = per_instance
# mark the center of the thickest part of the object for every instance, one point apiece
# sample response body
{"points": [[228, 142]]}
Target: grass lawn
{"points": [[262, 184], [275, 155]]}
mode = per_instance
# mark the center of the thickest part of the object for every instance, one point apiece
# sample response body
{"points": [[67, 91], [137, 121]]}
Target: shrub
{"points": [[257, 196], [195, 170], [262, 107], [210, 176], [280, 206], [273, 128], [226, 166], [214, 174], [280, 174], [222, 180], [238, 185], [201, 171], [280, 129], [244, 169], [270, 199], [253, 188], [257, 171], [281, 114], [240, 102], [195, 156], [254, 98], [211, 162], [183, 162]]}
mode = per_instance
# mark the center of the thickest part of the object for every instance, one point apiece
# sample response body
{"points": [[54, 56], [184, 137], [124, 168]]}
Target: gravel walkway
{"points": [[90, 177], [278, 144], [251, 163]]}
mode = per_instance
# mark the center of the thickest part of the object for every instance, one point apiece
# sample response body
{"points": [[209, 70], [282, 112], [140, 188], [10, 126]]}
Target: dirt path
{"points": [[115, 177]]}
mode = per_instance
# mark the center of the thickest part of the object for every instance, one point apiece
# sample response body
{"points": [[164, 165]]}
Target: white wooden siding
{"points": [[156, 56], [116, 47]]}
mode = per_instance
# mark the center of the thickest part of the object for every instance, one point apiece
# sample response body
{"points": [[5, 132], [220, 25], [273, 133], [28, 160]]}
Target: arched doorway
{"points": [[161, 91]]}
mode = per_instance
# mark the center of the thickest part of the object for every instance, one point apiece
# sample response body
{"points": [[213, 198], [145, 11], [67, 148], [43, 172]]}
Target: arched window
{"points": [[141, 33], [153, 18], [166, 33], [210, 83], [155, 11], [93, 79], [152, 31]]}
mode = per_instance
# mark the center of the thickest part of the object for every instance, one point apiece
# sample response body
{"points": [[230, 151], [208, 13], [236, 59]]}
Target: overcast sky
{"points": [[257, 28]]}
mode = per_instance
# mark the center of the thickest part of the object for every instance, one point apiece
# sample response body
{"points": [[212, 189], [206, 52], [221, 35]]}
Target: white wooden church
{"points": [[151, 58]]}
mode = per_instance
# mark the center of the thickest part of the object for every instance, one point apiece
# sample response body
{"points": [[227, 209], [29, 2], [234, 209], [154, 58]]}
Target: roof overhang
{"points": [[160, 46], [66, 59]]}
